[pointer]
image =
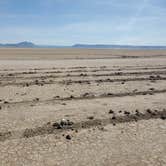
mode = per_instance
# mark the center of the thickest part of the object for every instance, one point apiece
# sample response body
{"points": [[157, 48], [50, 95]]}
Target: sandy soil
{"points": [[82, 107]]}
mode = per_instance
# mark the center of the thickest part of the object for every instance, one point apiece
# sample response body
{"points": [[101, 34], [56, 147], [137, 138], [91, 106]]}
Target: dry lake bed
{"points": [[79, 107]]}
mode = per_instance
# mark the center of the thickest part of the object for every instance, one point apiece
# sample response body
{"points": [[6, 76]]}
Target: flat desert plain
{"points": [[79, 107]]}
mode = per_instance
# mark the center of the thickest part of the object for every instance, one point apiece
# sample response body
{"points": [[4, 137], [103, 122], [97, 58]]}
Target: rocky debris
{"points": [[79, 82], [71, 97], [156, 111], [135, 90], [0, 107], [163, 117], [102, 128], [151, 93], [85, 94], [113, 118], [120, 111], [68, 137], [39, 83], [144, 93], [26, 84], [118, 73], [10, 74], [111, 112], [137, 113], [88, 95], [109, 94], [36, 99], [149, 111], [99, 81], [91, 117], [56, 97], [154, 77], [83, 75], [48, 123], [36, 82], [126, 112], [108, 79], [152, 89], [63, 124], [5, 102]]}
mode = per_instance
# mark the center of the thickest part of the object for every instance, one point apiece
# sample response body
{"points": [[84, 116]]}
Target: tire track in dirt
{"points": [[89, 67], [86, 96], [52, 128], [69, 82], [79, 71], [86, 75]]}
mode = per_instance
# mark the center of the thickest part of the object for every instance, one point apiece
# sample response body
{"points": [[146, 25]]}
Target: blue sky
{"points": [[66, 22]]}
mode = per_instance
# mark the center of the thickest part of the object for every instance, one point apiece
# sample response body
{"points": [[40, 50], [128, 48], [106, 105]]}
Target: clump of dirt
{"points": [[149, 111], [27, 85], [137, 113], [88, 95], [5, 135], [126, 112], [63, 124], [111, 112], [36, 99], [90, 117], [113, 118], [68, 137], [72, 97], [163, 117]]}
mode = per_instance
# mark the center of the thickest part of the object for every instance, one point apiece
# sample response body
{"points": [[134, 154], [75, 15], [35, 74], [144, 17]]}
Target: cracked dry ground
{"points": [[117, 106]]}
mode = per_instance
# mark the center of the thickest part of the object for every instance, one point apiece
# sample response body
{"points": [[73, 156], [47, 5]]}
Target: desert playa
{"points": [[78, 107]]}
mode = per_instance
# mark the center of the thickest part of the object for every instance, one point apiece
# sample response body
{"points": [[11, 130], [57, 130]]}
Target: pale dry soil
{"points": [[116, 100]]}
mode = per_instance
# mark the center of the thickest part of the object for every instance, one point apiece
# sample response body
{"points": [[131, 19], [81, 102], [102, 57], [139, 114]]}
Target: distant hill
{"points": [[24, 44], [116, 46]]}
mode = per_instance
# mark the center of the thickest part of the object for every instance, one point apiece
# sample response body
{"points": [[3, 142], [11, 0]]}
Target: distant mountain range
{"points": [[26, 44], [117, 46]]}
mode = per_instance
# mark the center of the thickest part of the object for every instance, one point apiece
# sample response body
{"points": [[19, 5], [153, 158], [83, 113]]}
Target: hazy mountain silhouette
{"points": [[117, 46], [26, 44]]}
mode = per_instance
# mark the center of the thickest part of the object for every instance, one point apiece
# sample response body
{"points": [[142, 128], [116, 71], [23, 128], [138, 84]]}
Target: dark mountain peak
{"points": [[24, 44]]}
